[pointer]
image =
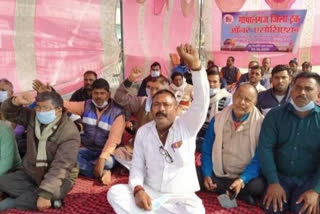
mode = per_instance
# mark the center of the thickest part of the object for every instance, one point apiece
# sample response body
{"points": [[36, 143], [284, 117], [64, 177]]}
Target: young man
{"points": [[103, 122], [84, 93], [255, 76], [279, 93], [231, 73], [289, 147], [229, 161], [49, 167], [163, 161]]}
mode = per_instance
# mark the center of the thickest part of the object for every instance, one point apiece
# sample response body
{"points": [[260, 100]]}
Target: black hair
{"points": [[308, 75], [55, 98], [231, 57], [101, 84], [91, 72], [7, 82], [257, 67], [279, 68], [155, 64], [174, 74], [164, 91]]}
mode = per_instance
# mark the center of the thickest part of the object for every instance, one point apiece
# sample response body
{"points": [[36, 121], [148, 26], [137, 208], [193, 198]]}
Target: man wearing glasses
{"points": [[163, 174]]}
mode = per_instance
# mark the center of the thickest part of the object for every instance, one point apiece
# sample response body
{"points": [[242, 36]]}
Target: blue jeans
{"points": [[293, 192], [87, 160]]}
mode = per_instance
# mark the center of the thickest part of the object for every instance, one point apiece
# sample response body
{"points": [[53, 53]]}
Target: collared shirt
{"points": [[267, 100], [290, 145], [149, 165]]}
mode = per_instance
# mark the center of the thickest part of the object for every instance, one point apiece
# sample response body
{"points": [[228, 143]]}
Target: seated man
{"points": [[9, 154], [229, 162], [279, 93], [163, 165], [49, 166], [155, 71], [84, 93], [306, 66], [219, 99], [255, 76], [289, 148], [231, 73], [182, 90], [140, 106], [103, 122]]}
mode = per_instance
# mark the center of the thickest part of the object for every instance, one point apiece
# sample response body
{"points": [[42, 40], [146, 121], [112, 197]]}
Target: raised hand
{"points": [[135, 74], [40, 87], [22, 99], [190, 55]]}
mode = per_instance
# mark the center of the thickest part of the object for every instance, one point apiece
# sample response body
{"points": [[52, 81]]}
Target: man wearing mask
{"points": [[219, 99], [163, 166], [182, 90], [279, 93], [140, 106], [6, 90], [289, 147], [104, 123], [231, 73], [84, 93], [49, 166], [155, 71]]}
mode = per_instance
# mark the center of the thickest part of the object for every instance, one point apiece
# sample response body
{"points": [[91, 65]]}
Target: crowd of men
{"points": [[257, 133]]}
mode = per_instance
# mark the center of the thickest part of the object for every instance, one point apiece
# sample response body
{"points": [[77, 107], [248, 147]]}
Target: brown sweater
{"points": [[62, 149]]}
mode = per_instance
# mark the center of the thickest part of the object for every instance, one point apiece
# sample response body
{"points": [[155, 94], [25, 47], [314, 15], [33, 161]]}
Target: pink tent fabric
{"points": [[153, 29], [67, 41], [308, 46]]}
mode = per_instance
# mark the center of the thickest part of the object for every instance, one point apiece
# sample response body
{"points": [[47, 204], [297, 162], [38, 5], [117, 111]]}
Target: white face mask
{"points": [[148, 92], [213, 91], [102, 106], [3, 96], [305, 108], [155, 73]]}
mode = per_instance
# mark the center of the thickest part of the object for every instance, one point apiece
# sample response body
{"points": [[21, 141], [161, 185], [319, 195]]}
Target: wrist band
{"points": [[137, 189]]}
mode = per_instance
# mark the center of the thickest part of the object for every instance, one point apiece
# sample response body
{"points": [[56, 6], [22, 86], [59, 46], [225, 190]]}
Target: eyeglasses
{"points": [[166, 154]]}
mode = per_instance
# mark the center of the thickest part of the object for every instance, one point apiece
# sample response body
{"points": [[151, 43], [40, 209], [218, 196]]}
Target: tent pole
{"points": [[122, 39]]}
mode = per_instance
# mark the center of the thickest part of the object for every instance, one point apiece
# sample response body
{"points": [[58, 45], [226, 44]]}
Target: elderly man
{"points": [[289, 148], [229, 161], [103, 122], [279, 93], [84, 93], [49, 167], [163, 174]]}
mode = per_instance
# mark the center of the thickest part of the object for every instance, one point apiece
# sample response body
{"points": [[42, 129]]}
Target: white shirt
{"points": [[260, 87], [149, 165]]}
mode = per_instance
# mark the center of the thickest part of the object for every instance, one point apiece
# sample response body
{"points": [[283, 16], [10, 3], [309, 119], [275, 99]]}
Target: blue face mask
{"points": [[3, 96], [305, 108], [46, 117]]}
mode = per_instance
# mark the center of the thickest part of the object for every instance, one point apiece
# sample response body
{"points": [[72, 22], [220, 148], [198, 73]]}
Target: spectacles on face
{"points": [[166, 154]]}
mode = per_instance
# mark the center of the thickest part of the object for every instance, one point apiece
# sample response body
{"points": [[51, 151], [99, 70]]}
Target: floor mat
{"points": [[89, 197]]}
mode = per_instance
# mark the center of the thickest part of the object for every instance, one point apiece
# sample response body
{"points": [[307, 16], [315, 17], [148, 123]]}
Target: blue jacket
{"points": [[96, 132], [266, 99], [251, 171]]}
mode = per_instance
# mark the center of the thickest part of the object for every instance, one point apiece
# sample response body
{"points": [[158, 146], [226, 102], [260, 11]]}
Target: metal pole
{"points": [[200, 30], [122, 40]]}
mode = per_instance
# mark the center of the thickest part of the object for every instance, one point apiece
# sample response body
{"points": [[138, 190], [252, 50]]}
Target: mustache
{"points": [[160, 114]]}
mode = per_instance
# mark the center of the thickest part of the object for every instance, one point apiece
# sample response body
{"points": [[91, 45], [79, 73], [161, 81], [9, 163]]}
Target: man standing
{"points": [[155, 71], [49, 166], [84, 93], [163, 174], [279, 93], [229, 161], [231, 73], [289, 148]]}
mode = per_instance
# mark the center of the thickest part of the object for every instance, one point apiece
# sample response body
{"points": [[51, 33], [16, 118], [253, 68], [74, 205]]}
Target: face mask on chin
{"points": [[46, 117], [105, 103], [155, 73], [3, 96], [305, 108]]}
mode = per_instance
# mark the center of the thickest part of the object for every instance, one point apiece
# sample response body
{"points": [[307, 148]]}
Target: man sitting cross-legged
{"points": [[163, 166], [49, 166], [229, 163]]}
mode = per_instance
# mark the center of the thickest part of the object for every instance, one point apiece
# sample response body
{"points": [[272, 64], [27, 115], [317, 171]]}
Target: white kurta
{"points": [[176, 181]]}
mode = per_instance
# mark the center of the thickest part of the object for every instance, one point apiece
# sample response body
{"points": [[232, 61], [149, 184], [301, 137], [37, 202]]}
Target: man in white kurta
{"points": [[164, 169]]}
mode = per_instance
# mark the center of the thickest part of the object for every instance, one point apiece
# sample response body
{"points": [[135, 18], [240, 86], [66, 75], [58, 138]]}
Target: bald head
{"points": [[244, 100]]}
